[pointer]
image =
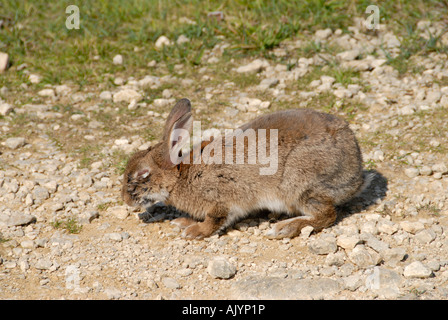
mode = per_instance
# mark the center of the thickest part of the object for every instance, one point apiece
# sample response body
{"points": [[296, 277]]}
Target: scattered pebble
{"points": [[162, 41], [417, 269], [118, 59], [127, 95], [15, 143], [221, 268]]}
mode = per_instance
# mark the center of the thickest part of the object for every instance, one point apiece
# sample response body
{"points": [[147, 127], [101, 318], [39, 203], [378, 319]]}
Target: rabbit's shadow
{"points": [[371, 195]]}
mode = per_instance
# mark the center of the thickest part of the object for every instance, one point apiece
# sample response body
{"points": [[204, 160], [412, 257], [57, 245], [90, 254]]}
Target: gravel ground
{"points": [[65, 234]]}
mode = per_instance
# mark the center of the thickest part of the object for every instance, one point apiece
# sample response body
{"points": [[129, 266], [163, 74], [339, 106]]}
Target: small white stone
{"points": [[323, 34], [96, 165], [342, 93], [15, 142], [434, 143], [76, 117], [62, 90], [348, 55], [119, 212], [171, 283], [27, 244], [407, 110], [327, 79], [114, 236], [265, 105], [411, 172], [167, 93], [412, 226], [221, 268], [440, 167], [160, 103], [47, 93], [348, 242], [182, 39], [112, 293], [120, 142], [315, 83], [127, 95], [118, 59], [268, 83], [34, 78], [417, 270], [364, 257], [253, 67], [162, 41], [118, 81], [132, 105], [306, 232], [378, 155], [5, 109], [323, 245], [106, 95], [152, 63], [425, 171]]}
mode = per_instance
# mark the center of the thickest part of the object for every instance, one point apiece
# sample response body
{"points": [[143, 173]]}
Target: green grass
{"points": [[413, 44], [34, 32], [119, 161], [3, 240], [71, 225]]}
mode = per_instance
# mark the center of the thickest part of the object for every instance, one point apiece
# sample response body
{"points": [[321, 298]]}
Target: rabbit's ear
{"points": [[181, 108], [177, 133]]}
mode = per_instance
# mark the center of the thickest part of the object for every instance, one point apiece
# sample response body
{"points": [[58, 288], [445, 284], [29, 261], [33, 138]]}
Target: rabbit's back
{"points": [[318, 153]]}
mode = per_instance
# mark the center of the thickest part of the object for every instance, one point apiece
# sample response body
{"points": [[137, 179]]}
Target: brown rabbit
{"points": [[319, 166]]}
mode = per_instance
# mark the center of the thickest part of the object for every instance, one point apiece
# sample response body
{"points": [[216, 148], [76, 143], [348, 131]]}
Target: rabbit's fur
{"points": [[319, 167]]}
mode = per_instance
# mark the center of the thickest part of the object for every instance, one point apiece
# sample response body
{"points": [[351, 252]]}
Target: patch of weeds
{"points": [[312, 48], [148, 134], [369, 141], [429, 209], [416, 292], [243, 80], [413, 44], [87, 155], [71, 225], [345, 76], [119, 161], [369, 165], [3, 240], [104, 206]]}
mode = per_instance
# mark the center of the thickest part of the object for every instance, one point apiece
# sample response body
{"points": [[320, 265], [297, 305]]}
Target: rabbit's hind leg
{"points": [[319, 214]]}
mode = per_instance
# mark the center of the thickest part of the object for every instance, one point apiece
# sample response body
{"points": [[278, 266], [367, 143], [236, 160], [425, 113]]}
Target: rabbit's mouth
{"points": [[150, 199]]}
